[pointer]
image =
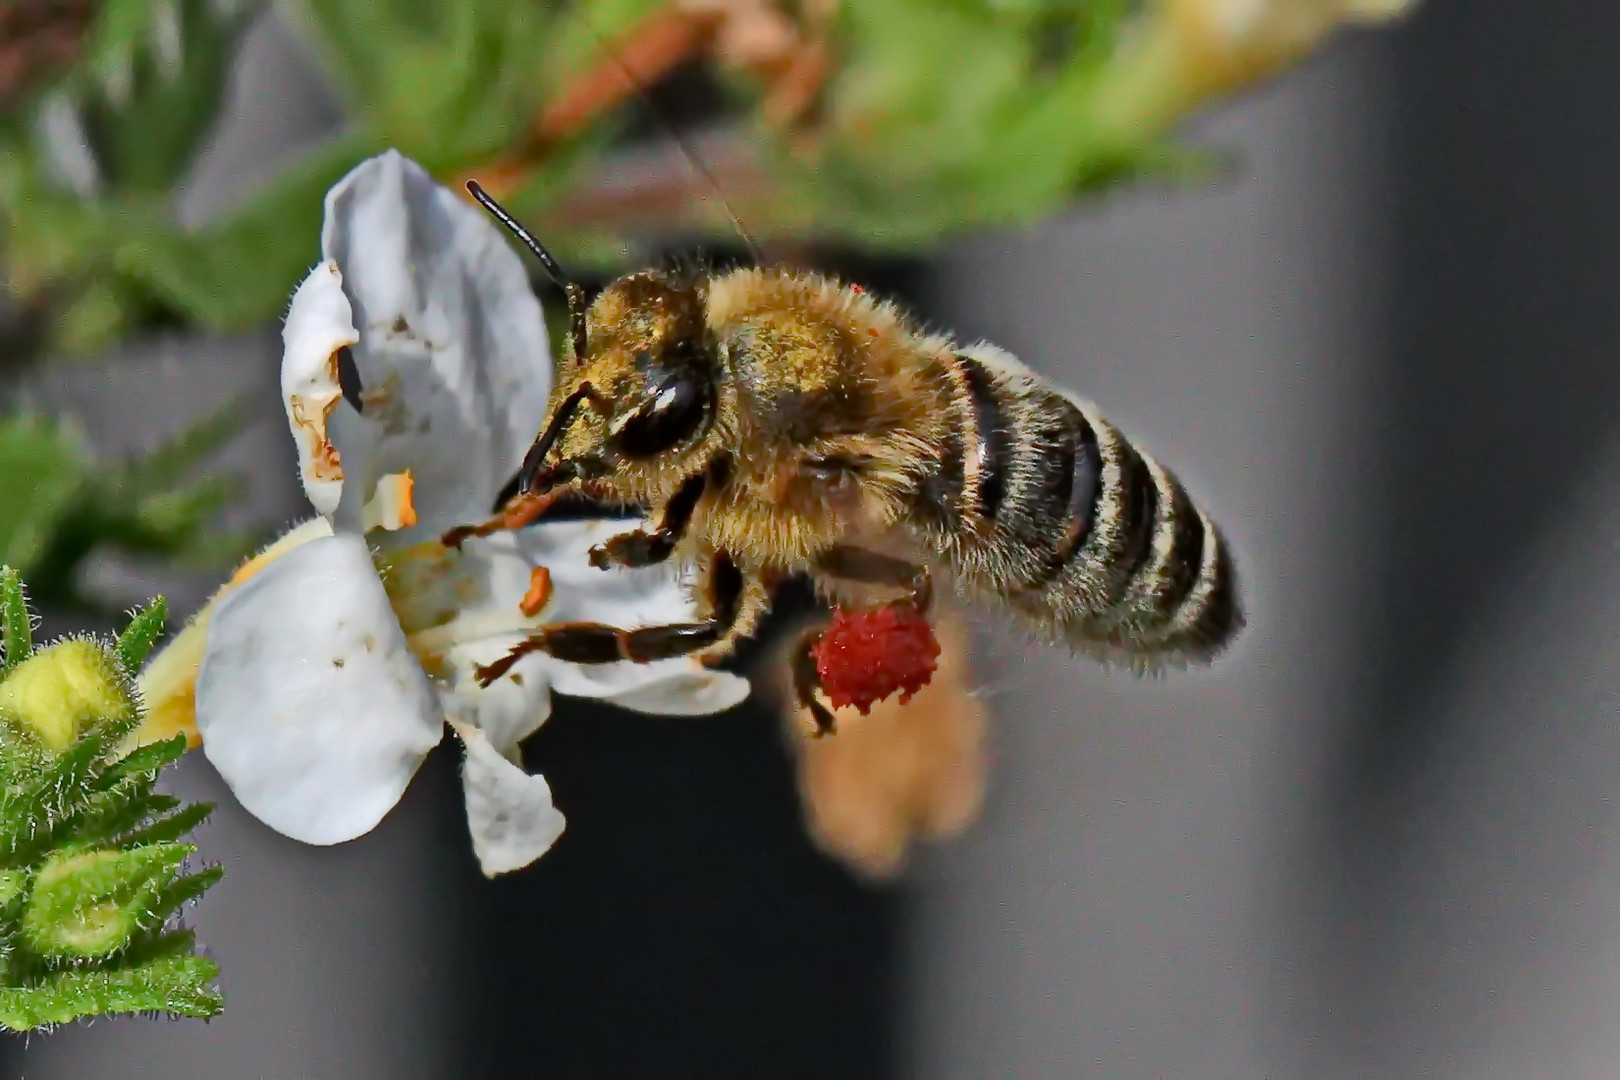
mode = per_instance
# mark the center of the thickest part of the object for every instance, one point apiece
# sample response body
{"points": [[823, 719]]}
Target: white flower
{"points": [[330, 664]]}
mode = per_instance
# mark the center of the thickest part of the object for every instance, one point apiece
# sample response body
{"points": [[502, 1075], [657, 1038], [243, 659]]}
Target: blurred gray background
{"points": [[1373, 843]]}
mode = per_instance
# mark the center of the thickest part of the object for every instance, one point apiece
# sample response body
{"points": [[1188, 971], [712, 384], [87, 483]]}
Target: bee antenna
{"points": [[572, 290], [513, 226], [687, 153]]}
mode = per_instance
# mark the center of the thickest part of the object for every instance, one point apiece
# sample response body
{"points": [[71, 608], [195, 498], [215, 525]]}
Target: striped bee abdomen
{"points": [[1059, 516]]}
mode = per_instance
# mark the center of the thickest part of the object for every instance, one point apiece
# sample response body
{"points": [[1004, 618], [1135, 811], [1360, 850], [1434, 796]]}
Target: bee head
{"points": [[650, 357], [641, 355]]}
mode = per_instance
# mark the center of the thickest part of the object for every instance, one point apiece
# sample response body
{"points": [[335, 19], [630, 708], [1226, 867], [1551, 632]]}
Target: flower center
{"points": [[441, 598]]}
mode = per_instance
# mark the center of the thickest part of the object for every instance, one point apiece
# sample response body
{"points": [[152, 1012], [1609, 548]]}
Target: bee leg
{"points": [[807, 682], [875, 568], [534, 460], [598, 643], [533, 488], [519, 511], [644, 548]]}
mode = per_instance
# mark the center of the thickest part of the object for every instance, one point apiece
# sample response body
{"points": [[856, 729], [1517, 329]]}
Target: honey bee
{"points": [[778, 423]]}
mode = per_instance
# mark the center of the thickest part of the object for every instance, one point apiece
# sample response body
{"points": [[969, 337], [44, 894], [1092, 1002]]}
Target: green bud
{"points": [[90, 904], [58, 692], [13, 883]]}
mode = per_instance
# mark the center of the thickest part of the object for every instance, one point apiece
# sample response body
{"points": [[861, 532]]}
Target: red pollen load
{"points": [[864, 656]]}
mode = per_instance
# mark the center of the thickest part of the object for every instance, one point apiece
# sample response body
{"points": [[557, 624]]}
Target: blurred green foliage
{"points": [[928, 122], [912, 135], [92, 857], [60, 504], [881, 124]]}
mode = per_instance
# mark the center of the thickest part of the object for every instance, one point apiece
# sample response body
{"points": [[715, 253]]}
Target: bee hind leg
{"points": [[807, 683], [875, 568]]}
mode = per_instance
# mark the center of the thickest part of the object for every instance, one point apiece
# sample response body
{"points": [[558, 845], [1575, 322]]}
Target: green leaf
{"points": [[173, 827], [91, 857], [182, 891], [13, 884], [153, 946], [16, 622], [177, 985], [110, 816], [140, 635], [148, 506], [153, 86], [42, 468], [447, 84], [72, 777], [145, 761], [236, 274]]}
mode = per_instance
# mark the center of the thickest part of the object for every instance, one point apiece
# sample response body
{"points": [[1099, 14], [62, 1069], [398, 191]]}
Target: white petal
{"points": [[309, 702], [511, 708], [461, 608], [453, 359], [509, 812], [319, 323], [646, 596], [696, 691]]}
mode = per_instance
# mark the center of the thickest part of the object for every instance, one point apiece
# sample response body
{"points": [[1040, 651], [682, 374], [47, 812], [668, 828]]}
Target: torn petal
{"points": [[453, 362], [509, 812], [319, 323], [309, 701]]}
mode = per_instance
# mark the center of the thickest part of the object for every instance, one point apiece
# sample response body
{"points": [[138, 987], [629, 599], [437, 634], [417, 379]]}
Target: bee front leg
{"points": [[598, 643], [520, 511], [642, 547]]}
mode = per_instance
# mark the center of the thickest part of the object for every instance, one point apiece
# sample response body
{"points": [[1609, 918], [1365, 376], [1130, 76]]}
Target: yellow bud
{"points": [[60, 690]]}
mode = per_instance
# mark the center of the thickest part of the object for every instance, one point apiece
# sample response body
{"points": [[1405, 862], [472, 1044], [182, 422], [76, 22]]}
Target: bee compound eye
{"points": [[677, 412]]}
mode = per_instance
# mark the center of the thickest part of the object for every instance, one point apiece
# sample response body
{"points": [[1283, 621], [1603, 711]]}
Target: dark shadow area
{"points": [[1500, 382], [685, 926]]}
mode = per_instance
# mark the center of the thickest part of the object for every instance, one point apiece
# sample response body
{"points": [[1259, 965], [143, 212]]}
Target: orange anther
{"points": [[407, 499], [539, 592]]}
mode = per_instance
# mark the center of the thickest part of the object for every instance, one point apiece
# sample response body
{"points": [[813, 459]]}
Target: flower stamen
{"points": [[439, 640], [539, 594], [392, 505]]}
